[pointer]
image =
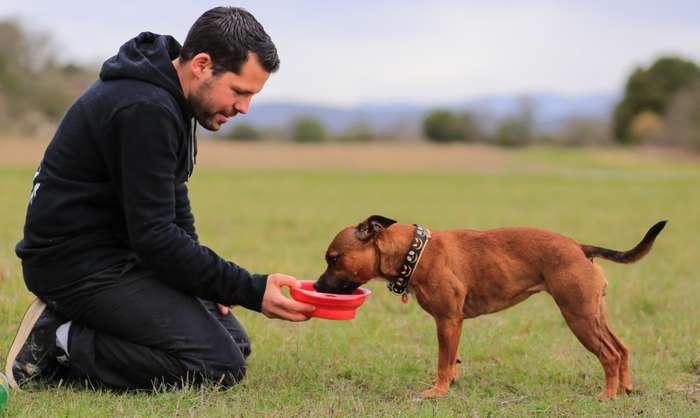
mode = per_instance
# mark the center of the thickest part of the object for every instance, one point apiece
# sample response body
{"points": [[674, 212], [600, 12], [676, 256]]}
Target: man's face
{"points": [[220, 97]]}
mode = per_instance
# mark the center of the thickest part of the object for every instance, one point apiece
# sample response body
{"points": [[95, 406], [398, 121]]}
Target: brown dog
{"points": [[466, 273]]}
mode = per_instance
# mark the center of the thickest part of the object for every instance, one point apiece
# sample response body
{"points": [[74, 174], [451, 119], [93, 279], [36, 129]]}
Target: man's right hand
{"points": [[276, 305]]}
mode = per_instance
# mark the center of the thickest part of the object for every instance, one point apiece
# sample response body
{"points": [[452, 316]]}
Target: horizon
{"points": [[391, 52]]}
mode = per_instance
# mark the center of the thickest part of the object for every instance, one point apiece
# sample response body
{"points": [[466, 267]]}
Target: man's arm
{"points": [[183, 211], [148, 140]]}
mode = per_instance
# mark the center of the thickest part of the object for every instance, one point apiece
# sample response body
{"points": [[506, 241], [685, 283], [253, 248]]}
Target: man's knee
{"points": [[231, 366], [222, 362], [228, 375], [232, 325], [243, 343]]}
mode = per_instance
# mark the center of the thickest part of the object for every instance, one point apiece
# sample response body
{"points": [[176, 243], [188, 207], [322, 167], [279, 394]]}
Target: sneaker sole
{"points": [[25, 328]]}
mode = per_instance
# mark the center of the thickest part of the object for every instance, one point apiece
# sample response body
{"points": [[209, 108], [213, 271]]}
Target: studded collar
{"points": [[399, 285]]}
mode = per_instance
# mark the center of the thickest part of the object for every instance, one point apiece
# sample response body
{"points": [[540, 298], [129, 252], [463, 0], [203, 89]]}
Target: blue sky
{"points": [[346, 53]]}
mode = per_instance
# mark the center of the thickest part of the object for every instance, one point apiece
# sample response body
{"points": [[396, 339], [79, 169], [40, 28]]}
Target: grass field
{"points": [[520, 362]]}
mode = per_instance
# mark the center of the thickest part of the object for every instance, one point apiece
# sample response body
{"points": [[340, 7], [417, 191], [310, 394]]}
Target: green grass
{"points": [[520, 362]]}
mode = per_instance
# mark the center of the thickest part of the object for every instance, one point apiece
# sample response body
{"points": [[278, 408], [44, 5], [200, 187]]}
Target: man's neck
{"points": [[182, 76]]}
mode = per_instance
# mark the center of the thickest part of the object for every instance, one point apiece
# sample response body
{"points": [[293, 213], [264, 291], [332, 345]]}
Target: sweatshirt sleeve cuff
{"points": [[258, 284]]}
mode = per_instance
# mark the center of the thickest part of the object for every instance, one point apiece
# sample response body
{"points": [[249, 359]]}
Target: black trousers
{"points": [[133, 331]]}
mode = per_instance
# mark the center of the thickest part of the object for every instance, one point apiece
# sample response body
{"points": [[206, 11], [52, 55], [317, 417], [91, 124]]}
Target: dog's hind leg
{"points": [[625, 376], [579, 292], [593, 333]]}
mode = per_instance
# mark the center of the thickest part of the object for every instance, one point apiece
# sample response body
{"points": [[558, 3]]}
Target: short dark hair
{"points": [[227, 34]]}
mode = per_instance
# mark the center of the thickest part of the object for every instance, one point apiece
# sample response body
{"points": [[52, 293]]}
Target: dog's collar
{"points": [[399, 285]]}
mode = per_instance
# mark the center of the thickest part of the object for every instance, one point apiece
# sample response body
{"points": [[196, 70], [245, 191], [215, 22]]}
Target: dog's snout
{"points": [[335, 285]]}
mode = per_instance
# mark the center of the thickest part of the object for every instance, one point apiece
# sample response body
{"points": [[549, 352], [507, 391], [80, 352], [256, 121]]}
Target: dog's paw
{"points": [[434, 392], [604, 396], [631, 391]]}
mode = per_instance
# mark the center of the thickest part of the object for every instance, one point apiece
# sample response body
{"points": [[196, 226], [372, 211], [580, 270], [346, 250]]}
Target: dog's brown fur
{"points": [[466, 273]]}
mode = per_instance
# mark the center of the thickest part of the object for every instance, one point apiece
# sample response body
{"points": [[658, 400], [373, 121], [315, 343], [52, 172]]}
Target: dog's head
{"points": [[354, 256]]}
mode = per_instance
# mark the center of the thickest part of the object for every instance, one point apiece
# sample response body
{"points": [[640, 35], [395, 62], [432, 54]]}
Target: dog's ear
{"points": [[370, 226]]}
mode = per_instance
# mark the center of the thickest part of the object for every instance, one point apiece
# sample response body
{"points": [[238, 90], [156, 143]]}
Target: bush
{"points": [[583, 130], [244, 132], [360, 132], [308, 129], [645, 126], [512, 132], [472, 128], [443, 126], [519, 129], [446, 126]]}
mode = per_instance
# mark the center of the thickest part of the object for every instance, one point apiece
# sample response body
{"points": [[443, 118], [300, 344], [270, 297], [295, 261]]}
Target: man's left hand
{"points": [[223, 310]]}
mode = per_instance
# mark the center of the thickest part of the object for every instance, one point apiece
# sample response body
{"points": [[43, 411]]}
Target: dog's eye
{"points": [[333, 260]]}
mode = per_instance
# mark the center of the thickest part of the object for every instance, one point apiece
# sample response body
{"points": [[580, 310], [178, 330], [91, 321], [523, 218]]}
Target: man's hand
{"points": [[276, 305], [223, 309]]}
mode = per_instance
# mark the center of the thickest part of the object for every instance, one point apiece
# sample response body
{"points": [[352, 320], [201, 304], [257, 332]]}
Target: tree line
{"points": [[660, 105], [35, 89]]}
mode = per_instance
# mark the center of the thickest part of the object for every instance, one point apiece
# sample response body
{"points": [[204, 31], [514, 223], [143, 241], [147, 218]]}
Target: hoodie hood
{"points": [[148, 57]]}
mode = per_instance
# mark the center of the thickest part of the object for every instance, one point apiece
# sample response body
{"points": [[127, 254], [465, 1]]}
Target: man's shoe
{"points": [[33, 354]]}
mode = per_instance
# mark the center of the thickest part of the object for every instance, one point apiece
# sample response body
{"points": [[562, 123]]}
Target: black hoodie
{"points": [[111, 189]]}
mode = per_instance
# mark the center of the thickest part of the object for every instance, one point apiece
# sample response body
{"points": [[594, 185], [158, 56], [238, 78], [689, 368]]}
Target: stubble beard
{"points": [[202, 107]]}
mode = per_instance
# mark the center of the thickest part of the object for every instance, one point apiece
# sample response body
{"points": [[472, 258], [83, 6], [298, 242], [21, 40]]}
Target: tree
{"points": [[471, 127], [443, 126], [651, 90], [519, 129], [583, 130], [358, 132], [308, 129], [244, 132], [682, 119], [646, 126], [34, 89], [512, 132]]}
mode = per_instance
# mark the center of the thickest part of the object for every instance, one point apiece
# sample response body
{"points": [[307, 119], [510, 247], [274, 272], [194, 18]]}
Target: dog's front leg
{"points": [[448, 332]]}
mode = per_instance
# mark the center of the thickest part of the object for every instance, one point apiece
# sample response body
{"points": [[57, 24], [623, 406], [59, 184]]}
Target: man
{"points": [[127, 295]]}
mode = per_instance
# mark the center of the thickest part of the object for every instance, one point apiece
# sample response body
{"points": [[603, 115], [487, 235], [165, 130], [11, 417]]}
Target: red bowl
{"points": [[329, 305]]}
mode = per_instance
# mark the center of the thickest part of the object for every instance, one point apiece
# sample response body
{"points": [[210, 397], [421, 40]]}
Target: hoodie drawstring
{"points": [[192, 149], [194, 138]]}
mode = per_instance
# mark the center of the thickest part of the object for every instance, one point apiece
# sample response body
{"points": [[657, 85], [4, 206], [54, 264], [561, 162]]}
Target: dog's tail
{"points": [[626, 256]]}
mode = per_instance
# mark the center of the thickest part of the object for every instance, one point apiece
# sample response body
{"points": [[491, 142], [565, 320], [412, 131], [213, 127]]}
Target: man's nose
{"points": [[242, 105]]}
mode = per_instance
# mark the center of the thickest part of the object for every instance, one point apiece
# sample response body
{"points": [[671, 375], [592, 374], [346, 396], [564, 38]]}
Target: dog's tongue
{"points": [[404, 298]]}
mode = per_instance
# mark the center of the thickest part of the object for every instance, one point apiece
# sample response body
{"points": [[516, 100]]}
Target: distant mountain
{"points": [[549, 111], [378, 116]]}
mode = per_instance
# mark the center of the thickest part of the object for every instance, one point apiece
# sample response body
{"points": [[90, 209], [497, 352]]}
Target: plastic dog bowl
{"points": [[329, 305]]}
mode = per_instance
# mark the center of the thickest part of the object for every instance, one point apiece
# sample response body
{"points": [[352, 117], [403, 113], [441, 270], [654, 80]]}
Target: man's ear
{"points": [[369, 227], [200, 63]]}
